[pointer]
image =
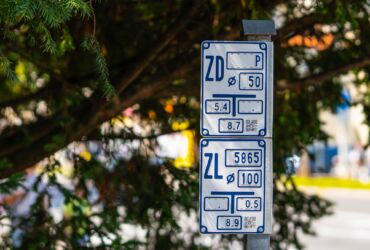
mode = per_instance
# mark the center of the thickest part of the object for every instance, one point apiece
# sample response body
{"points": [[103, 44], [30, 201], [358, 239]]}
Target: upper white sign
{"points": [[236, 88]]}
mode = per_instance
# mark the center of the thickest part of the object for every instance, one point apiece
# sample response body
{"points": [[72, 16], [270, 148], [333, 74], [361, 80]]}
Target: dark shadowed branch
{"points": [[318, 79]]}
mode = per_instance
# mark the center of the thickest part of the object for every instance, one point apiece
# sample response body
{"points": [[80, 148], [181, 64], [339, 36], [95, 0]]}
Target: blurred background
{"points": [[99, 122]]}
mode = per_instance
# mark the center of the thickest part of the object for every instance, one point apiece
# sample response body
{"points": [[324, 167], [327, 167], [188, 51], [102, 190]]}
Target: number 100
{"points": [[249, 178]]}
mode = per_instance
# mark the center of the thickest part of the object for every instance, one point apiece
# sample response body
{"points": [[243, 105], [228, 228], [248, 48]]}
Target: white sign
{"points": [[236, 88], [235, 186]]}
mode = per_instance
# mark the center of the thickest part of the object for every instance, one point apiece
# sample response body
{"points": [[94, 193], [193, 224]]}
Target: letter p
{"points": [[258, 59]]}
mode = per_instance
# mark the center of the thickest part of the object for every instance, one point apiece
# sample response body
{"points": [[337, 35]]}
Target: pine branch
{"points": [[5, 68], [92, 45]]}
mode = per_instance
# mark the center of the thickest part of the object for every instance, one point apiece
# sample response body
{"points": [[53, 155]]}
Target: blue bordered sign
{"points": [[235, 186], [236, 88]]}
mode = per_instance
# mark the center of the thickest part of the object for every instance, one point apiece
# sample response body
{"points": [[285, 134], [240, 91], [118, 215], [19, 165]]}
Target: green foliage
{"points": [[40, 17], [5, 68], [41, 22], [13, 182], [57, 142], [294, 211]]}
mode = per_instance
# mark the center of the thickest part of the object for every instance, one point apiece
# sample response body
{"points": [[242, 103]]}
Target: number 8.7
{"points": [[230, 125]]}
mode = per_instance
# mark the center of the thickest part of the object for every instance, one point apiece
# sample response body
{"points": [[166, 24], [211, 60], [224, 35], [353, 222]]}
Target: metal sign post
{"points": [[260, 31], [236, 121]]}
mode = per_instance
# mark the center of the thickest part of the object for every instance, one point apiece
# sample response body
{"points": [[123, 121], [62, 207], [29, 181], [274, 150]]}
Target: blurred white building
{"points": [[347, 130]]}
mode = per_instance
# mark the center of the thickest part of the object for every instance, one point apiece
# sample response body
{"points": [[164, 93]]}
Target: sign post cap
{"points": [[258, 27]]}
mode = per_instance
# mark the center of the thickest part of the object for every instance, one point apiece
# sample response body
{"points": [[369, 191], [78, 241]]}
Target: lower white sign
{"points": [[235, 186]]}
